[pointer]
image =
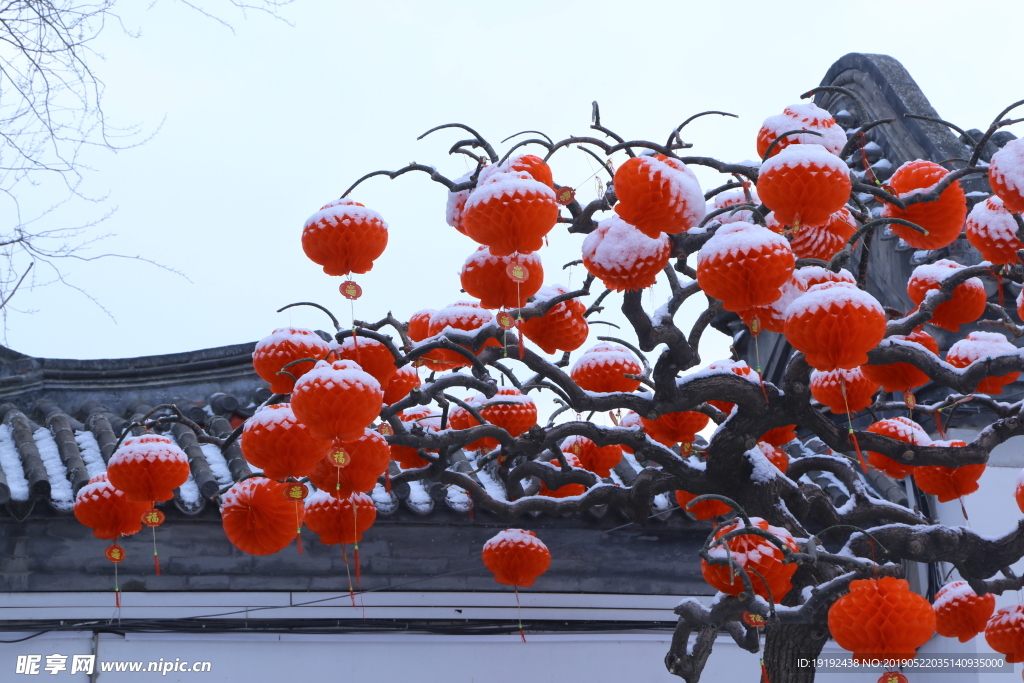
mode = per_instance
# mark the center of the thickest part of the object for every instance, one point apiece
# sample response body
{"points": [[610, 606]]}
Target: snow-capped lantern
{"points": [[530, 164], [680, 427], [405, 379], [148, 468], [510, 213], [275, 441], [823, 241], [509, 409], [344, 237], [943, 218], [990, 229], [901, 377], [755, 555], [603, 368], [779, 436], [737, 367], [844, 390], [808, 276], [902, 429], [352, 466], [371, 355], [566, 490], [658, 194], [804, 185], [981, 346], [948, 483], [562, 328], [631, 419], [881, 619], [283, 346], [724, 200], [835, 325], [623, 257], [456, 204], [343, 520], [1004, 633], [705, 509], [1006, 175], [774, 455], [1018, 493], [465, 316], [598, 459], [516, 557], [337, 400], [407, 456], [107, 511], [802, 116], [960, 612], [419, 324], [744, 265], [258, 519], [489, 278], [967, 303]]}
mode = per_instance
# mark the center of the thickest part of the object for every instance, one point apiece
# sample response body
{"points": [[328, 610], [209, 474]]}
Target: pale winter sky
{"points": [[253, 131]]}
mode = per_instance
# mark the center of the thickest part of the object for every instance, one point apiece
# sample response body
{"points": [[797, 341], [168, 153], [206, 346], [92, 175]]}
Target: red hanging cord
{"points": [[156, 558]]}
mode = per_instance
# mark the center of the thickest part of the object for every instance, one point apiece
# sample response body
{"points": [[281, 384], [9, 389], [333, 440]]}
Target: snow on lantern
{"points": [[968, 300], [344, 237], [844, 390], [658, 194], [258, 519], [337, 400], [516, 557], [835, 325], [983, 346], [285, 346], [603, 368], [804, 185], [148, 468], [991, 229], [943, 218], [275, 441], [801, 116], [562, 328], [755, 555], [744, 265], [960, 612], [623, 257], [487, 277], [1006, 174], [510, 213]]}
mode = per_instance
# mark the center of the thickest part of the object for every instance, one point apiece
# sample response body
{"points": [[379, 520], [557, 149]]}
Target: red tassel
{"points": [[860, 456], [999, 286], [938, 425], [358, 576], [760, 380], [298, 540], [522, 348], [117, 597], [298, 525], [387, 480], [156, 562], [764, 673]]}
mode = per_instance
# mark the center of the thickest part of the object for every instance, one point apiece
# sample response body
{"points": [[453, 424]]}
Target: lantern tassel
{"points": [[356, 553], [156, 558], [519, 330], [387, 480], [519, 607], [938, 424], [999, 285], [348, 573], [856, 446], [117, 589], [764, 673], [849, 422], [298, 529]]}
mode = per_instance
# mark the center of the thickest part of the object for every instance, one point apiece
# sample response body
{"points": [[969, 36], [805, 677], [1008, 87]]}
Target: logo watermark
{"points": [[31, 665]]}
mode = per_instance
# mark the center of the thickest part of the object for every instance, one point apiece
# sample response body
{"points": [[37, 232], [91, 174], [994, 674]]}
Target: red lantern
{"points": [[1005, 632], [462, 316], [407, 456], [343, 520], [981, 346], [1018, 493], [623, 257], [486, 277], [803, 116], [276, 442], [531, 164], [991, 230], [1006, 175], [148, 468], [352, 466], [881, 619], [603, 368], [257, 517], [744, 265], [706, 509], [509, 409], [676, 427], [337, 400], [804, 185], [948, 483], [960, 612], [754, 554], [902, 377], [966, 305], [835, 325], [516, 557], [943, 218], [658, 194], [371, 355], [731, 198], [405, 379], [824, 241], [562, 328], [510, 213], [456, 204], [843, 391], [902, 429], [344, 237], [893, 677], [598, 459], [107, 511], [631, 419], [461, 419], [773, 455], [779, 436], [808, 276], [569, 489], [736, 367], [419, 324], [284, 346]]}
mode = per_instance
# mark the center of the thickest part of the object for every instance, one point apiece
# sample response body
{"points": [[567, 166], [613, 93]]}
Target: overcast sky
{"points": [[253, 131]]}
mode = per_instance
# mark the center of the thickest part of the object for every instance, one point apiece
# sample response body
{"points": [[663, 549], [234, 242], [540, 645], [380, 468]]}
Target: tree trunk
{"points": [[786, 644]]}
